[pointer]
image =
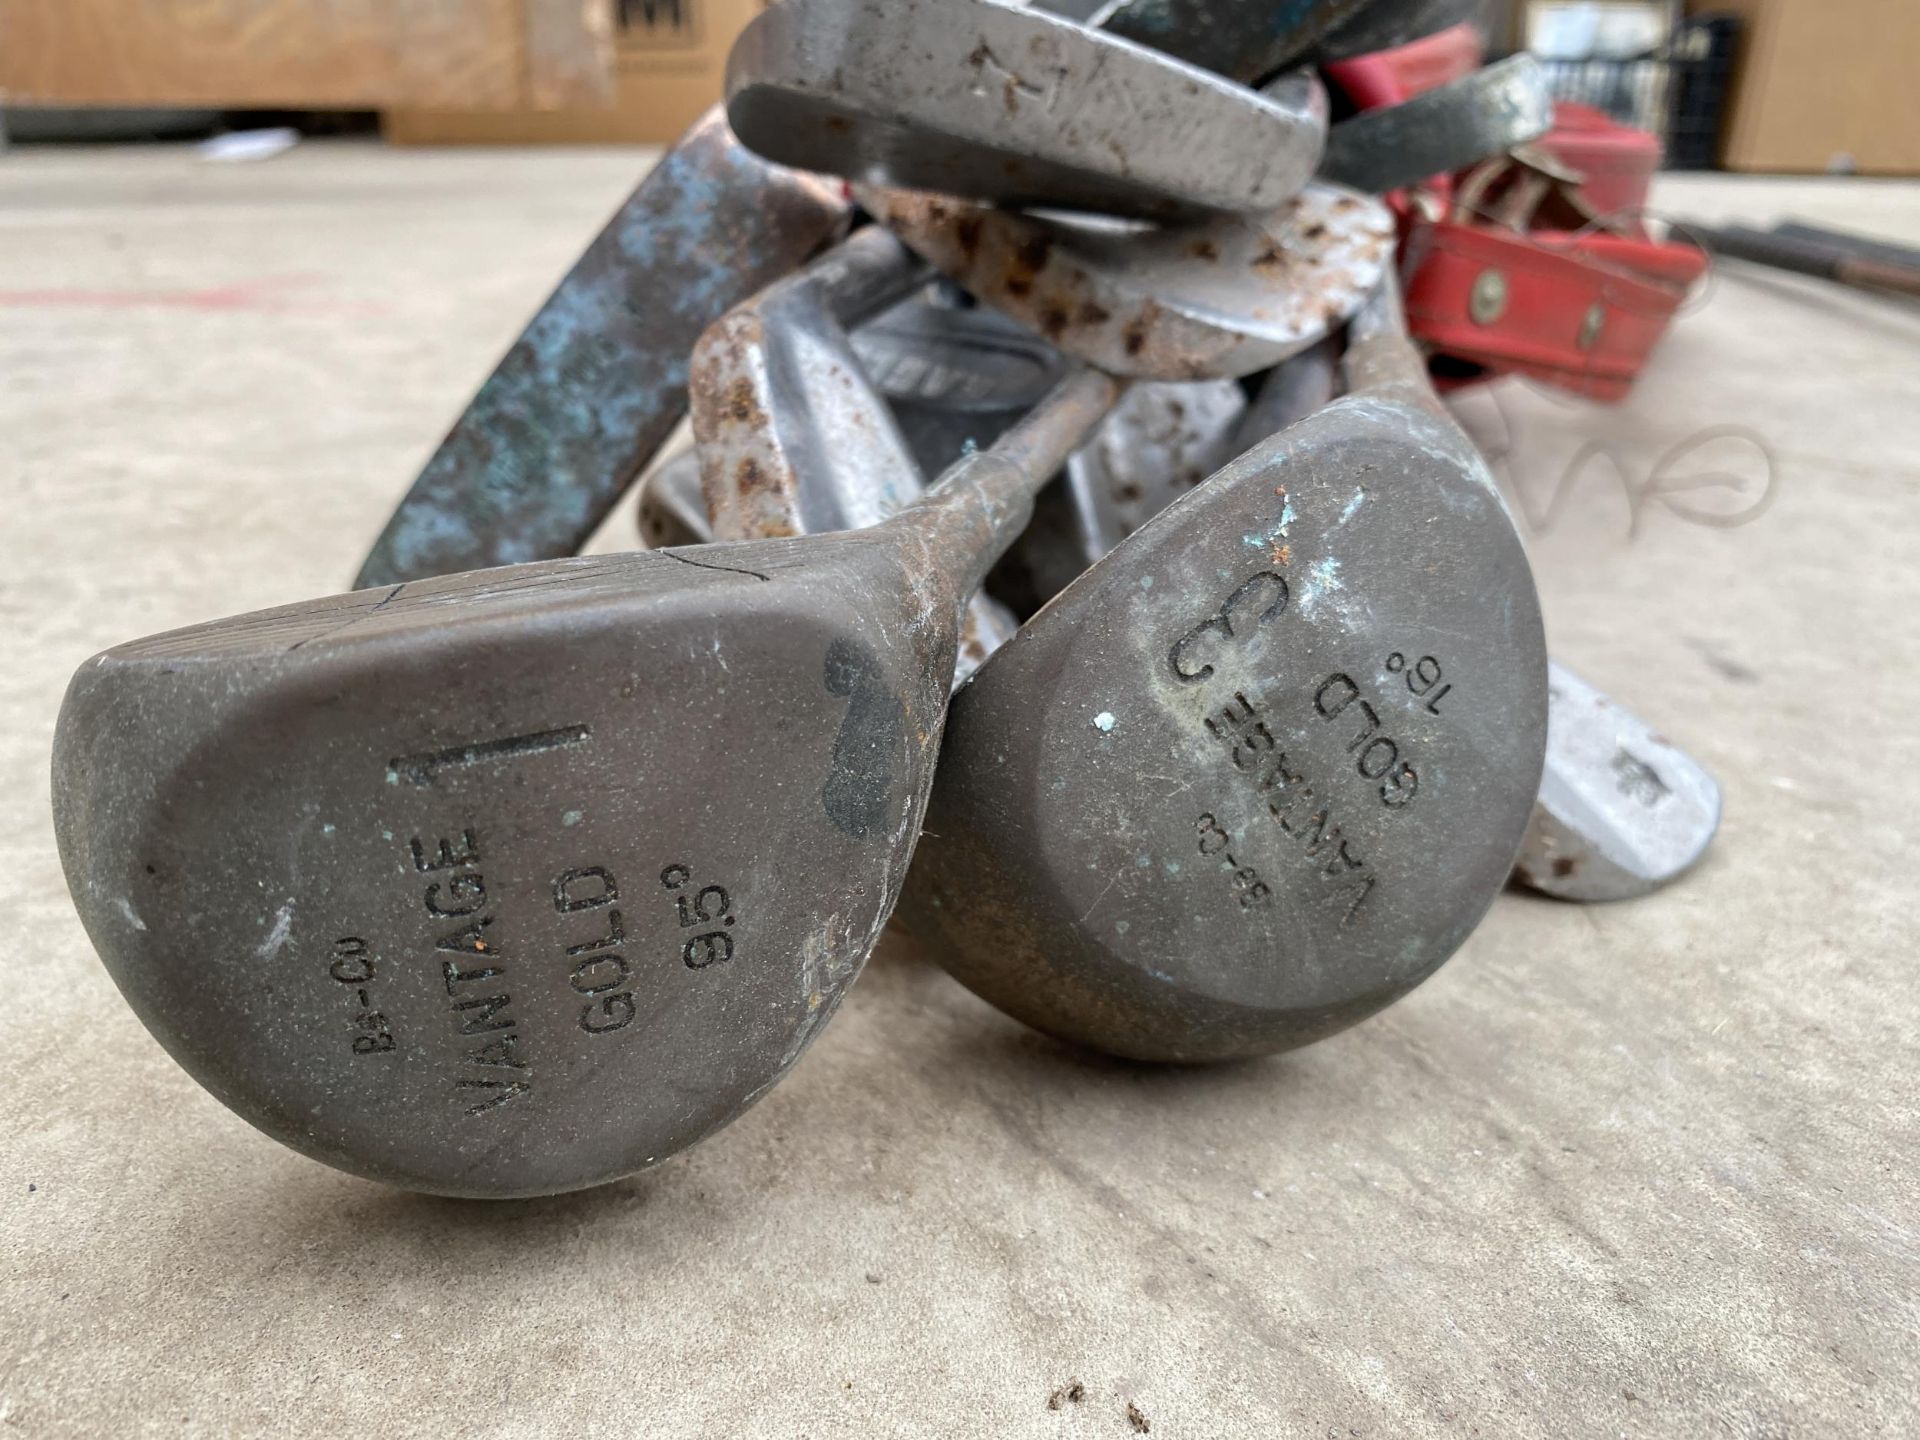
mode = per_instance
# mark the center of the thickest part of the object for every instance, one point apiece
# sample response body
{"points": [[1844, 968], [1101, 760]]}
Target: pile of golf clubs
{"points": [[514, 871]]}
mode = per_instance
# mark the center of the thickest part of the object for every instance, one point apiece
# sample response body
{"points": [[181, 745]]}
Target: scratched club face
{"points": [[1261, 770], [507, 883]]}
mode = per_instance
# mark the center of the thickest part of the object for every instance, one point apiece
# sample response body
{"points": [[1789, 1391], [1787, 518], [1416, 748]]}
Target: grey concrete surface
{"points": [[1646, 1170]]}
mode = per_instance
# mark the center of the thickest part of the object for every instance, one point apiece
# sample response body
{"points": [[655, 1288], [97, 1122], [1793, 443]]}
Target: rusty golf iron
{"points": [[1009, 105], [1623, 811], [516, 881], [1262, 769], [597, 381], [793, 437], [1204, 302]]}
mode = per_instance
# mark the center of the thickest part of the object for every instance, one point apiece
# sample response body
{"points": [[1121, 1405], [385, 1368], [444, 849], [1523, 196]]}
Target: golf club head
{"points": [[512, 882], [1161, 440], [1623, 811], [1442, 130], [597, 381], [1245, 40], [1008, 105], [793, 438], [1263, 768], [1205, 302], [673, 509], [955, 374]]}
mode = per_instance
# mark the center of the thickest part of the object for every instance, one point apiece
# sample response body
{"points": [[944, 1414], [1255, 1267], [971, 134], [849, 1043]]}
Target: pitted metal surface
{"points": [[793, 438], [1009, 105], [1203, 302], [556, 931], [1262, 769], [1623, 810], [1161, 440], [597, 381], [1443, 130]]}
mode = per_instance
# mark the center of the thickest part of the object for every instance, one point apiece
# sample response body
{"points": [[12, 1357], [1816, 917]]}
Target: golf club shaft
{"points": [[1381, 355], [983, 501]]}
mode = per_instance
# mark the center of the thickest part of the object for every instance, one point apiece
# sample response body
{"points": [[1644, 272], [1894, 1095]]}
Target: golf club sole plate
{"points": [[491, 885]]}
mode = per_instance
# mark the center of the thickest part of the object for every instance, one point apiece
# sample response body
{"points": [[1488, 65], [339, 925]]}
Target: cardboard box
{"points": [[669, 60], [1824, 85], [295, 54]]}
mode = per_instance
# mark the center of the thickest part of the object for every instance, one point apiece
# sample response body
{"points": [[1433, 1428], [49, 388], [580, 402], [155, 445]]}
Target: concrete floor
{"points": [[1646, 1170]]}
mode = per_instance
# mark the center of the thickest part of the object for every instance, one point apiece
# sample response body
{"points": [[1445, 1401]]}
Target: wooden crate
{"points": [[345, 54], [669, 58]]}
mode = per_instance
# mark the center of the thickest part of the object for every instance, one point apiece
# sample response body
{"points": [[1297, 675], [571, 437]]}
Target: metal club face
{"points": [[516, 881], [1623, 811], [1262, 769], [1205, 302], [1442, 130], [597, 381], [1010, 105], [793, 438]]}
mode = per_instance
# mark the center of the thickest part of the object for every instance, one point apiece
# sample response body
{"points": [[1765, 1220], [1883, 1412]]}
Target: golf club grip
{"points": [[1804, 258], [1845, 242]]}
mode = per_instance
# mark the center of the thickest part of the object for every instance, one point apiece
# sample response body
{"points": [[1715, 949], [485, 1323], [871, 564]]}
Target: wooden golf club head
{"points": [[516, 881], [1260, 770], [1009, 105]]}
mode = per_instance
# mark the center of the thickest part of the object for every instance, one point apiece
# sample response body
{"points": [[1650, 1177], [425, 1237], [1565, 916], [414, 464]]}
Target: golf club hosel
{"points": [[981, 504], [1381, 355]]}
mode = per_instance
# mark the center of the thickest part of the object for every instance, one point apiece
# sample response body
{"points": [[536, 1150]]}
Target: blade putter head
{"points": [[1262, 769], [597, 380], [1008, 105], [793, 438], [1206, 302], [513, 882], [1443, 130], [1623, 811]]}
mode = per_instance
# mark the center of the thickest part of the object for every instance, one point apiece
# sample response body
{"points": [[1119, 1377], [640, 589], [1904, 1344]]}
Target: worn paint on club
{"points": [[597, 381]]}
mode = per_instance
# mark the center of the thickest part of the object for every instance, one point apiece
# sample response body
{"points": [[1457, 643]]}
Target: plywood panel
{"points": [[483, 54]]}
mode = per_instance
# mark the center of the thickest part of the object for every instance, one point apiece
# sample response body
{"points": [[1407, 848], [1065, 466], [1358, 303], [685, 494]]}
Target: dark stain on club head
{"points": [[858, 795]]}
